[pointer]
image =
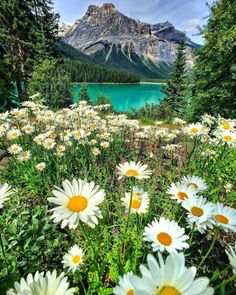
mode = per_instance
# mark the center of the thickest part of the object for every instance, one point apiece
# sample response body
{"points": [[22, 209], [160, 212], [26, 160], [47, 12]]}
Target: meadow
{"points": [[92, 202]]}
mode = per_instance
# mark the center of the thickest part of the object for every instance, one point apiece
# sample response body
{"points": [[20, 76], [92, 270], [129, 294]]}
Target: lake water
{"points": [[124, 97]]}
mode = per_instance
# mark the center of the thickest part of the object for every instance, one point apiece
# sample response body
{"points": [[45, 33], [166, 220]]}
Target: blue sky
{"points": [[185, 15]]}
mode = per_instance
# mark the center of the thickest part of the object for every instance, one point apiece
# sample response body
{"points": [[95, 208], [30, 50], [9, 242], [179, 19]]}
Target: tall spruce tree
{"points": [[27, 32], [214, 87], [174, 102]]}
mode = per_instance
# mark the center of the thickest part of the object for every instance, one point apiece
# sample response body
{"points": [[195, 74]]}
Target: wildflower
{"points": [[198, 210], [225, 217], [228, 187], [195, 129], [180, 191], [95, 151], [39, 138], [231, 253], [132, 169], [13, 134], [228, 137], [42, 284], [170, 277], [104, 144], [226, 125], [49, 143], [77, 202], [5, 192], [73, 259], [140, 201], [14, 149], [28, 129], [125, 287], [197, 183], [165, 235], [40, 166], [23, 156]]}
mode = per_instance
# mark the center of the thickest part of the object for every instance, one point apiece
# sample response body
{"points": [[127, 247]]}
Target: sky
{"points": [[185, 15]]}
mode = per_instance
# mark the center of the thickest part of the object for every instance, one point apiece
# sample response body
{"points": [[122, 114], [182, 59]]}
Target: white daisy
{"points": [[165, 235], [180, 191], [77, 202], [140, 201], [132, 169], [201, 227], [195, 129], [42, 284], [13, 134], [196, 182], [228, 137], [24, 156], [198, 209], [231, 253], [49, 143], [73, 259], [225, 217], [5, 192], [14, 149], [125, 287], [40, 166], [170, 277]]}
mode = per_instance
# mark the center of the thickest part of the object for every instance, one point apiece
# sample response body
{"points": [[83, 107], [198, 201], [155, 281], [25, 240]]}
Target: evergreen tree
{"points": [[214, 87], [27, 30], [51, 81], [174, 102], [83, 93]]}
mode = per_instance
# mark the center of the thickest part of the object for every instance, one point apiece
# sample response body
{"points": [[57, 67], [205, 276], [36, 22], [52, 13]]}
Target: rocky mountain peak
{"points": [[94, 10]]}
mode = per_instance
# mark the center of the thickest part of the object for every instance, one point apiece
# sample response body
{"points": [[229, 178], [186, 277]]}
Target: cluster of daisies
{"points": [[79, 201]]}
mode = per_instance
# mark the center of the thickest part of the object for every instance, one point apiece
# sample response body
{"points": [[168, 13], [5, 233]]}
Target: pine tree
{"points": [[27, 30], [214, 87], [173, 102], [83, 93], [50, 80]]}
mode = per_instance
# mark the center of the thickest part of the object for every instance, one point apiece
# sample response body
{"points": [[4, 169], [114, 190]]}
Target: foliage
{"points": [[27, 32], [215, 69], [50, 80], [173, 104], [83, 93], [30, 239], [86, 71]]}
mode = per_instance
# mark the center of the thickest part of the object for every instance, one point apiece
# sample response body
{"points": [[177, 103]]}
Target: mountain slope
{"points": [[113, 39]]}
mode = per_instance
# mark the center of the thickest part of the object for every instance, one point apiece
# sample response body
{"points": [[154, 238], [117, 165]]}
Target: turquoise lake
{"points": [[124, 97]]}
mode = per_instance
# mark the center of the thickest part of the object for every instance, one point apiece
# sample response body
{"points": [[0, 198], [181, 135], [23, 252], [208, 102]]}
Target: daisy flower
{"points": [[198, 209], [24, 156], [49, 143], [13, 134], [196, 182], [42, 284], [165, 235], [170, 277], [5, 192], [77, 201], [231, 253], [201, 227], [40, 166], [228, 137], [140, 201], [125, 287], [132, 169], [180, 191], [225, 217], [73, 259], [14, 149], [195, 129]]}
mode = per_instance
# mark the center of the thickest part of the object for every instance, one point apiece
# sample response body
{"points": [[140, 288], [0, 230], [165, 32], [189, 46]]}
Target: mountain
{"points": [[113, 39]]}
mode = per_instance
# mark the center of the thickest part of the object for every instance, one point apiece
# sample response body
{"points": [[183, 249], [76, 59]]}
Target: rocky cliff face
{"points": [[112, 38]]}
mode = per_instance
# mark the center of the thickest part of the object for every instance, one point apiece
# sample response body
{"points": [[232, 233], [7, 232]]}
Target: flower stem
{"points": [[3, 251], [225, 282], [209, 251]]}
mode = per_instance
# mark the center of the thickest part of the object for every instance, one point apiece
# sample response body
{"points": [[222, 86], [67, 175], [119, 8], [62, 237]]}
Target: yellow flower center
{"points": [[167, 290], [14, 134], [49, 143], [76, 259], [130, 292], [196, 211], [131, 173], [194, 130], [194, 185], [136, 204], [221, 218], [226, 126], [77, 204], [228, 138], [182, 195], [15, 149], [164, 238]]}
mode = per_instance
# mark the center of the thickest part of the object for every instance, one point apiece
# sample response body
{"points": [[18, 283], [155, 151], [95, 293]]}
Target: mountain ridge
{"points": [[114, 39]]}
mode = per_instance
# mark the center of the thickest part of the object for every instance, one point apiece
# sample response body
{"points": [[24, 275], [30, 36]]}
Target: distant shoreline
{"points": [[110, 83]]}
